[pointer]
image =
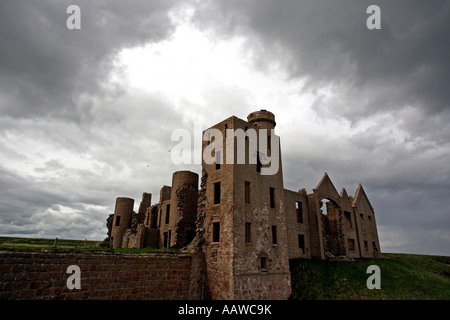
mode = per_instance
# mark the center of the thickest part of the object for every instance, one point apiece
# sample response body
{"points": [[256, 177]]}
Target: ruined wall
{"points": [[349, 227], [164, 193], [219, 255], [164, 227], [333, 230], [366, 225], [184, 200], [42, 275], [178, 210], [143, 206], [297, 222], [315, 228], [151, 238]]}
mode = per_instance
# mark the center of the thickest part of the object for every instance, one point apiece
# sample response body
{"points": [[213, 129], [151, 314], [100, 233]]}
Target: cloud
{"points": [[327, 42], [72, 133], [47, 70], [380, 112], [87, 115], [83, 167]]}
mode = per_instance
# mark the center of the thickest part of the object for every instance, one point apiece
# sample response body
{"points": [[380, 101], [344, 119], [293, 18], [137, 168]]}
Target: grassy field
{"points": [[29, 244], [403, 277], [36, 243]]}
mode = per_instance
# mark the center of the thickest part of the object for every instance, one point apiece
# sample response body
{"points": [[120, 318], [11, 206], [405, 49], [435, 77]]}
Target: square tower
{"points": [[245, 233]]}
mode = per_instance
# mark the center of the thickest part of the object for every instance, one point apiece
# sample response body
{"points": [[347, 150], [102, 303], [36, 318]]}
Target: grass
{"points": [[36, 244], [17, 244], [403, 277]]}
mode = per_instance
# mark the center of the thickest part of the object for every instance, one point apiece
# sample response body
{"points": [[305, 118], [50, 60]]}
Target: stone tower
{"points": [[121, 221], [178, 210], [246, 251]]}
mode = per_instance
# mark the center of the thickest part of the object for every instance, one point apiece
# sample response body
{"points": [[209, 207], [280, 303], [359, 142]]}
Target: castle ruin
{"points": [[245, 225]]}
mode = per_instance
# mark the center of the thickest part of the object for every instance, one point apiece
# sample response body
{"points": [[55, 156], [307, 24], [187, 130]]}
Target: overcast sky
{"points": [[87, 115]]}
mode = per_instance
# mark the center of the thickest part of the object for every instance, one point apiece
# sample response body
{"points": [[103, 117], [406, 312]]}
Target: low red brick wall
{"points": [[42, 275]]}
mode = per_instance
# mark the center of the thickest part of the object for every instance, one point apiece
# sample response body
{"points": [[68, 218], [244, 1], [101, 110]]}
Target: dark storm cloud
{"points": [[328, 43], [73, 192], [48, 70], [398, 77], [56, 94]]}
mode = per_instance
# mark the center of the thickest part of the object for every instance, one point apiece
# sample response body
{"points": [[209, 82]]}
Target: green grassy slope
{"points": [[403, 276]]}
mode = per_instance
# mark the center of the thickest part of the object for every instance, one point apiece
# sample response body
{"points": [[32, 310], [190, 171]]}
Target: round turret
{"points": [[263, 119], [121, 222], [184, 179]]}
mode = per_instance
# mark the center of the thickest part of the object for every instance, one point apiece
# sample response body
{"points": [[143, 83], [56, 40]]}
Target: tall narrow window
{"points": [[167, 213], [263, 263], [218, 159], [363, 227], [274, 235], [154, 218], [351, 244], [366, 245], [299, 209], [248, 232], [216, 192], [272, 197], [216, 232], [301, 242], [165, 240], [348, 220], [117, 221], [247, 192]]}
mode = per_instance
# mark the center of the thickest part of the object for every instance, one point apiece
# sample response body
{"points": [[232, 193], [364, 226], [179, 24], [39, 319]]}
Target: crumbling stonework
{"points": [[170, 223], [242, 226]]}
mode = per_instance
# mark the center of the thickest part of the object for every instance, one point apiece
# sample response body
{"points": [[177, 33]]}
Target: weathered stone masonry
{"points": [[42, 275], [246, 225]]}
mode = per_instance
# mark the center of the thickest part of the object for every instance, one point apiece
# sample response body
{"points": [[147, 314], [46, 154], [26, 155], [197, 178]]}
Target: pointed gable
{"points": [[344, 194], [361, 200], [326, 189], [346, 203]]}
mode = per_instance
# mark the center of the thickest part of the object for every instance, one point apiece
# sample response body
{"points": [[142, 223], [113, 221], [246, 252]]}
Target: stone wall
{"points": [[42, 275], [297, 222]]}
